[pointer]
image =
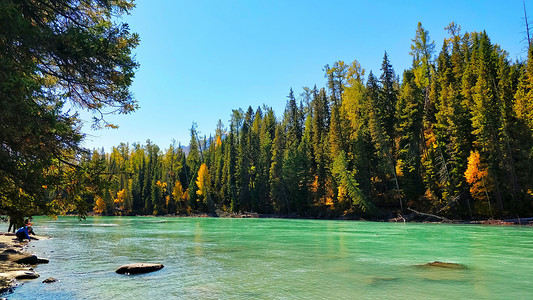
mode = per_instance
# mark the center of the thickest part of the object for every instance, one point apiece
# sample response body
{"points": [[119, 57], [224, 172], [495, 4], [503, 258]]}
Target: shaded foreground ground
{"points": [[16, 263]]}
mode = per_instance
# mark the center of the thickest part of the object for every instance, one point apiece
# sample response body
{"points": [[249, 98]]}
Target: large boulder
{"points": [[19, 274], [138, 268], [21, 258]]}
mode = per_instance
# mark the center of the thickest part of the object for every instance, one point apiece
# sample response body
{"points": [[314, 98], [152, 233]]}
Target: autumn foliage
{"points": [[478, 178], [204, 181]]}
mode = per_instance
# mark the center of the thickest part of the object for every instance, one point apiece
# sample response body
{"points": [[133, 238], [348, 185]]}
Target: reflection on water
{"points": [[209, 258]]}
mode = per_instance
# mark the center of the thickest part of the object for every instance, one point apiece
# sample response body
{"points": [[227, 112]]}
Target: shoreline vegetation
{"points": [[413, 217]]}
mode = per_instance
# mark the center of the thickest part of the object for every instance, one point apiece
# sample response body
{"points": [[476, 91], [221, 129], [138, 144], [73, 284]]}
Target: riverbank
{"points": [[16, 262], [412, 217]]}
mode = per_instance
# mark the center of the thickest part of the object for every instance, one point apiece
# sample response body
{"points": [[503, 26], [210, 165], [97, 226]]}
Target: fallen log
{"points": [[431, 215]]}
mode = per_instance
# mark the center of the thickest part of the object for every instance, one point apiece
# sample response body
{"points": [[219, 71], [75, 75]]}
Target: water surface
{"points": [[214, 258]]}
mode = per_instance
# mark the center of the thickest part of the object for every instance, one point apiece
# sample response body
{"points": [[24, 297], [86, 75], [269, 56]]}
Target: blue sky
{"points": [[201, 59]]}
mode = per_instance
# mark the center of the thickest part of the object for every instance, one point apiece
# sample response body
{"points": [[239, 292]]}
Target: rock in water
{"points": [[446, 265], [42, 260], [49, 280], [138, 268]]}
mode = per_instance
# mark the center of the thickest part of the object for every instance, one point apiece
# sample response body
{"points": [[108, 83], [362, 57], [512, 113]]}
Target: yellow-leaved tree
{"points": [[119, 201], [99, 205], [477, 176], [204, 187], [203, 181], [177, 193]]}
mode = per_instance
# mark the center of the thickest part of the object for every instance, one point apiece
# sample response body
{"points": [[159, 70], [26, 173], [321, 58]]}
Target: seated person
{"points": [[23, 233]]}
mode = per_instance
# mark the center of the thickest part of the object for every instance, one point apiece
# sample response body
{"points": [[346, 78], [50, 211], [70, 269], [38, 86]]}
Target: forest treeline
{"points": [[452, 136]]}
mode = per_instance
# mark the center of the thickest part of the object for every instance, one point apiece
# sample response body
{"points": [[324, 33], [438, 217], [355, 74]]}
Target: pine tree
{"points": [[255, 162], [266, 136], [356, 109], [485, 112], [385, 164], [193, 163], [242, 171], [278, 192], [320, 123], [229, 182], [422, 51], [348, 186], [410, 107], [523, 106], [387, 98]]}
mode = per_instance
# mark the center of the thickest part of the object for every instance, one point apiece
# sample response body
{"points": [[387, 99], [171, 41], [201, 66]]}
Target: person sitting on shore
{"points": [[24, 233]]}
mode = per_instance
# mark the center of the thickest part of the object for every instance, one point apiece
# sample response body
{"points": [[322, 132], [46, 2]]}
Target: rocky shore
{"points": [[16, 264]]}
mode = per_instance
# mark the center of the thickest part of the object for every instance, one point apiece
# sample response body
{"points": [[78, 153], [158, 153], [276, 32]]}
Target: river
{"points": [[217, 258]]}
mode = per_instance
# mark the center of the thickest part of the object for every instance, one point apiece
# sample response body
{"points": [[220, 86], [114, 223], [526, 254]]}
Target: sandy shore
{"points": [[16, 263]]}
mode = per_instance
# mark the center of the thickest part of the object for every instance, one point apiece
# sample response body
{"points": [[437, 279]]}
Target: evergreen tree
{"points": [[320, 124], [278, 192], [384, 164], [387, 98], [230, 191], [54, 52], [242, 171], [409, 111], [266, 136], [356, 108]]}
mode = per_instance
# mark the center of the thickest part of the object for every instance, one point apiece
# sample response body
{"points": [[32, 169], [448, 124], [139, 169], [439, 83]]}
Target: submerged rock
{"points": [[446, 265], [380, 280], [138, 268]]}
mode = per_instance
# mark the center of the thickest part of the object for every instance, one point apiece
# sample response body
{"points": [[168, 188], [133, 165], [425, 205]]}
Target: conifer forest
{"points": [[452, 136]]}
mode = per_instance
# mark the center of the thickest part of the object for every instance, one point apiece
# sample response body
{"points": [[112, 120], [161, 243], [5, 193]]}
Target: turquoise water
{"points": [[212, 258]]}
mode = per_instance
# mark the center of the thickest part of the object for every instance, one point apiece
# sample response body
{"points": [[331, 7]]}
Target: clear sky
{"points": [[201, 59]]}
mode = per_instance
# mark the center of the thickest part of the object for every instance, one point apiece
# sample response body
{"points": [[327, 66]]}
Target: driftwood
{"points": [[431, 215]]}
